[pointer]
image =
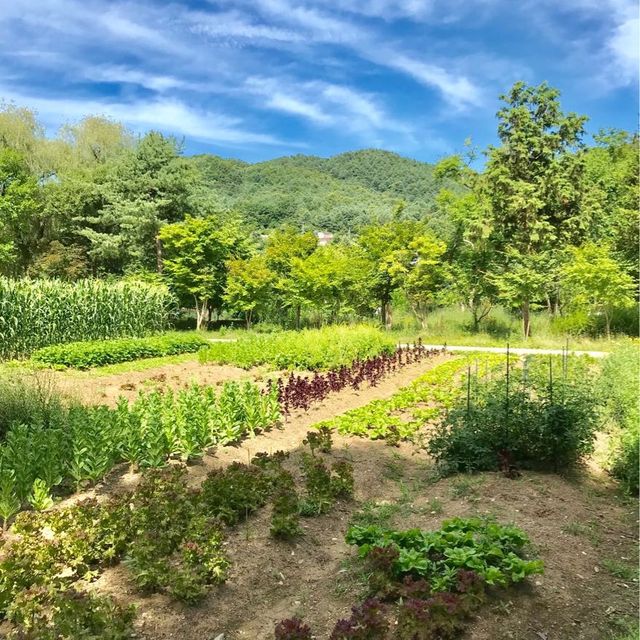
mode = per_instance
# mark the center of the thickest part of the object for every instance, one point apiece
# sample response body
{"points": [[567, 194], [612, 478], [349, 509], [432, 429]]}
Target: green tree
{"points": [[380, 244], [423, 273], [534, 182], [249, 286], [196, 256], [283, 246], [595, 281], [21, 219]]}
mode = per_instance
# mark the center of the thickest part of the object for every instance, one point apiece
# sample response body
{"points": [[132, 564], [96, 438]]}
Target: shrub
{"points": [[528, 420], [231, 494], [620, 385], [43, 615], [83, 355], [37, 313], [310, 349]]}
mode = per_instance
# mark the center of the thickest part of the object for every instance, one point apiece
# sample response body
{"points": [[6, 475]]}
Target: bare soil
{"points": [[106, 389]]}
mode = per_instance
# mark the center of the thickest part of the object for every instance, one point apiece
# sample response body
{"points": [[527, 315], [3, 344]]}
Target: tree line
{"points": [[549, 222]]}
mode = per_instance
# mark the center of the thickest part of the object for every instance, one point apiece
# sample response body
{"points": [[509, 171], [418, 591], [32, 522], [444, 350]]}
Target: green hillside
{"points": [[337, 194]]}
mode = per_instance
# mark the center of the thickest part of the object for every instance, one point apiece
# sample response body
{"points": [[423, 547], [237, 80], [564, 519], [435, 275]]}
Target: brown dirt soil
{"points": [[106, 389]]}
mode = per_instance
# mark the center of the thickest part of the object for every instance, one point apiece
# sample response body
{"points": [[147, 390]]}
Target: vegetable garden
{"points": [[237, 505]]}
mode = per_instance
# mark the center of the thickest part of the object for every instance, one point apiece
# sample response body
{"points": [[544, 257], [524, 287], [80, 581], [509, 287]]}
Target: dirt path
{"points": [[516, 351]]}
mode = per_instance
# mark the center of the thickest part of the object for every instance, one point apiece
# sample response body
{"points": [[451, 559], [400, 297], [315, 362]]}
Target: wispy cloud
{"points": [[169, 116]]}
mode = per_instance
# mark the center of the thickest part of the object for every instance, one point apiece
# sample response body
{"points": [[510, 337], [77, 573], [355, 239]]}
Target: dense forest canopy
{"points": [[95, 200]]}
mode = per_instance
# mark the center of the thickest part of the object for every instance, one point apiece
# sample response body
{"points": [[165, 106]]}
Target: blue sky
{"points": [[255, 79]]}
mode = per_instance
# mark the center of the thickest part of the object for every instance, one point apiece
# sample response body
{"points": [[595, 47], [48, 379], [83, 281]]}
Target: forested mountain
{"points": [[337, 194]]}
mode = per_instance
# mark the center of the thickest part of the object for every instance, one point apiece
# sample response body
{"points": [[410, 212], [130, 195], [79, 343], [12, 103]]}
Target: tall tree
{"points": [[197, 252], [534, 182], [283, 246], [379, 244], [249, 286]]}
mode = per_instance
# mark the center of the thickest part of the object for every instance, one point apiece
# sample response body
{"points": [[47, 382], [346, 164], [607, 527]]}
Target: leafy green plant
{"points": [[40, 614], [98, 353], [285, 517], [231, 494], [311, 349], [493, 551], [320, 440], [526, 418], [40, 498]]}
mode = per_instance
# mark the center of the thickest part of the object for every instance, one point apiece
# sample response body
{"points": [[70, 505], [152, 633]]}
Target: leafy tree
{"points": [[21, 220], [144, 189], [593, 280], [249, 286], [196, 256], [423, 272], [380, 244], [534, 182], [283, 246]]}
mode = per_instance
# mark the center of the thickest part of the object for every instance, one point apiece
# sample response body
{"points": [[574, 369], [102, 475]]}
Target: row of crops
{"points": [[37, 313]]}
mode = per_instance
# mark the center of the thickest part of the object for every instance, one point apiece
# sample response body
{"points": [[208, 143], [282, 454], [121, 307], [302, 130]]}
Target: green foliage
{"points": [[249, 286], [541, 416], [324, 485], [595, 281], [45, 615], [55, 548], [492, 550], [285, 520], [37, 313], [83, 443], [25, 399], [310, 349], [620, 385], [422, 400], [175, 547], [82, 355], [196, 252], [233, 493]]}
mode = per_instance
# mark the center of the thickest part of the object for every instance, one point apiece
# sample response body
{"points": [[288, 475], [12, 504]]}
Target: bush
{"points": [[310, 349], [620, 385], [25, 400], [528, 421], [82, 355], [36, 313]]}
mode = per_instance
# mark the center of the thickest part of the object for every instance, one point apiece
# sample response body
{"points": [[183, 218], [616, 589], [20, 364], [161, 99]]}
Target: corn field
{"points": [[81, 444], [37, 313]]}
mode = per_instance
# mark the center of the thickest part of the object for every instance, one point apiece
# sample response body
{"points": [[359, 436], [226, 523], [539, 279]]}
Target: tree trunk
{"points": [[201, 310], [526, 319], [607, 321], [383, 312], [247, 319], [298, 317]]}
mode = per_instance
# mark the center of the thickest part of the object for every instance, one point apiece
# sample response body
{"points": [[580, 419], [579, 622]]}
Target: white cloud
{"points": [[624, 46], [167, 115]]}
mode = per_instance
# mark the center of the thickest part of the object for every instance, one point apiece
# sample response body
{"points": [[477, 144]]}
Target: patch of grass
{"points": [[465, 487], [393, 469], [373, 513], [435, 506], [587, 530], [620, 569], [624, 628]]}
